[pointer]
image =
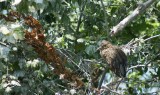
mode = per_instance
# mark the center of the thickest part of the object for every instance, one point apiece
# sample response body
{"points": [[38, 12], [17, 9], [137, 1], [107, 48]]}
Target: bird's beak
{"points": [[98, 48]]}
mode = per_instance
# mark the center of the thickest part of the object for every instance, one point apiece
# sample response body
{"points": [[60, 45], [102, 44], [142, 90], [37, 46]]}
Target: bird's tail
{"points": [[122, 71]]}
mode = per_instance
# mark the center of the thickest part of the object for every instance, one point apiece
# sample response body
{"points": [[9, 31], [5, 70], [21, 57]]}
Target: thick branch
{"points": [[139, 10]]}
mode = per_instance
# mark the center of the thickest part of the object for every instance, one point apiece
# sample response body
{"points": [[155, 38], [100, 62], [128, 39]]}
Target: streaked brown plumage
{"points": [[115, 57]]}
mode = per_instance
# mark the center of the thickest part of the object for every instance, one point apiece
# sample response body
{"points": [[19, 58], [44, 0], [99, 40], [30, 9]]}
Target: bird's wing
{"points": [[121, 56], [117, 60], [109, 55], [122, 61]]}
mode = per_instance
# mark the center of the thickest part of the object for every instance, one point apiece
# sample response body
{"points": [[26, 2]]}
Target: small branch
{"points": [[149, 62], [119, 83], [73, 62], [151, 37], [3, 44], [104, 11], [136, 66], [105, 17], [139, 10], [132, 44], [80, 17], [114, 82], [112, 91]]}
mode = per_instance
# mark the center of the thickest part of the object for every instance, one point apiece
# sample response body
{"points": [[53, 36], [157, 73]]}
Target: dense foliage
{"points": [[75, 28]]}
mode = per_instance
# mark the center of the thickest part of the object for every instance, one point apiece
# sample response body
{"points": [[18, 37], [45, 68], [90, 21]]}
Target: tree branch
{"points": [[151, 37], [80, 17], [149, 62], [139, 10], [3, 44], [136, 66], [113, 91], [105, 17]]}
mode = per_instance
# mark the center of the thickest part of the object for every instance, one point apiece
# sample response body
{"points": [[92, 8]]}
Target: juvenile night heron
{"points": [[115, 57]]}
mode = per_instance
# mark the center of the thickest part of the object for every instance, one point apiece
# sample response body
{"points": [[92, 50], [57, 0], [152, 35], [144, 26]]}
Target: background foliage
{"points": [[75, 28]]}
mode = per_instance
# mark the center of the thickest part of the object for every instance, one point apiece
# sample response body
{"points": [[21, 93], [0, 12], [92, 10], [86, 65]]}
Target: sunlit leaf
{"points": [[15, 83], [80, 40], [68, 36], [18, 35], [4, 30]]}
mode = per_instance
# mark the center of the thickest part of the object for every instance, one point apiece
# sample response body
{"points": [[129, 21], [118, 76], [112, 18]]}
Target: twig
{"points": [[119, 83], [73, 62], [151, 37], [3, 44], [130, 44], [104, 11], [136, 66], [156, 9], [112, 90], [149, 62], [114, 82], [104, 14], [140, 9]]}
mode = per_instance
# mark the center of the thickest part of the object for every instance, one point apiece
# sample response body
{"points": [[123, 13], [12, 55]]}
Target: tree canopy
{"points": [[49, 47]]}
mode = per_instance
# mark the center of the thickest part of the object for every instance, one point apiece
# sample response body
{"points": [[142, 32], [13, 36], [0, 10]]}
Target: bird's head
{"points": [[104, 45]]}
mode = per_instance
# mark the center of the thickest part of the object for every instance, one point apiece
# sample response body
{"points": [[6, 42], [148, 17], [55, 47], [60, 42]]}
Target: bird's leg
{"points": [[102, 78], [119, 83]]}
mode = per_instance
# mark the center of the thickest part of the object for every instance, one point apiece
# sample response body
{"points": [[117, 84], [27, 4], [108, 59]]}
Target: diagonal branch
{"points": [[152, 37], [139, 10], [3, 44]]}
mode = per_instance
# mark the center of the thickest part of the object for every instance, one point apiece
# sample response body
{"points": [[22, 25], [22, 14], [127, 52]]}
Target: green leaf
{"points": [[18, 34], [4, 51], [90, 50], [44, 68], [19, 73], [11, 39], [133, 75]]}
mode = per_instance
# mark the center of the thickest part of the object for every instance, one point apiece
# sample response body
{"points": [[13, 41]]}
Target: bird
{"points": [[115, 57]]}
